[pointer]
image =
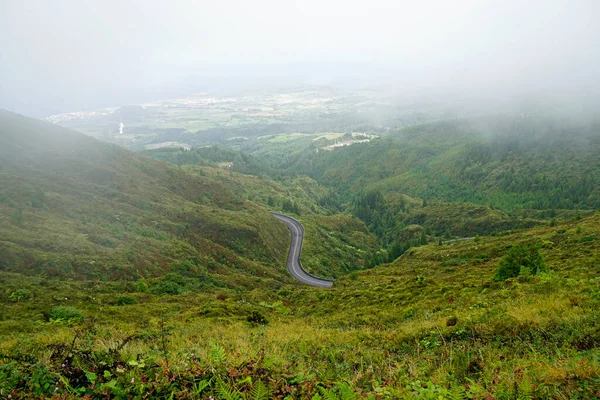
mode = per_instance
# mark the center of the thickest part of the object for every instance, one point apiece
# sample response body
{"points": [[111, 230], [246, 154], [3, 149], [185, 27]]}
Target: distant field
{"points": [[190, 126], [311, 113], [329, 136], [288, 137]]}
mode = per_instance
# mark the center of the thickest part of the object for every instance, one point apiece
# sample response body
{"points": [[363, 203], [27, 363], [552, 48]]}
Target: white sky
{"points": [[71, 52]]}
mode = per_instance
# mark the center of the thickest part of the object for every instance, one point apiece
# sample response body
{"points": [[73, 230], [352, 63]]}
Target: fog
{"points": [[68, 55]]}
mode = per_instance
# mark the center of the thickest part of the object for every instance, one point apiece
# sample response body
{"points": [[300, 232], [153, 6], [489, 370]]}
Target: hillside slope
{"points": [[71, 206], [529, 162], [434, 324]]}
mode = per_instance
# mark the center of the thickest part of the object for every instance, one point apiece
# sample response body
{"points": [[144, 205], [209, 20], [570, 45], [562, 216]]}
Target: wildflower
{"points": [[63, 365], [132, 380], [9, 396], [56, 389]]}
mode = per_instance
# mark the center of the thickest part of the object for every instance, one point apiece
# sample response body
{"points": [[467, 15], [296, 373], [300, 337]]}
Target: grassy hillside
{"points": [[335, 243], [73, 207], [529, 162], [434, 324], [430, 182], [460, 178]]}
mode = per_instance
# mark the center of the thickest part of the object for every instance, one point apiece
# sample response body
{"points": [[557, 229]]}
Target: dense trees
{"points": [[520, 260], [290, 206], [509, 163]]}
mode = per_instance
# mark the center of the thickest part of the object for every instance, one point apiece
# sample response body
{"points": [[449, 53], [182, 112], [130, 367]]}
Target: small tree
{"points": [[423, 239], [520, 258], [141, 286]]}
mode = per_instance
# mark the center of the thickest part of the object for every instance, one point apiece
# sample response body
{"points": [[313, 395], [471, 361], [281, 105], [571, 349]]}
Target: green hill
{"points": [[529, 162], [73, 207]]}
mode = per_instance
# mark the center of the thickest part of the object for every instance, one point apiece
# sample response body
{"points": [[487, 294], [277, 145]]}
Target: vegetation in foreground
{"points": [[437, 323]]}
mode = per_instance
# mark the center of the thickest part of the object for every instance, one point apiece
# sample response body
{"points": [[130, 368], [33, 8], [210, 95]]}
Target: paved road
{"points": [[293, 261], [458, 240]]}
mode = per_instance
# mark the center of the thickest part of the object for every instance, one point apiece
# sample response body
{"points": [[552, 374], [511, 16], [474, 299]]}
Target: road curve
{"points": [[293, 261]]}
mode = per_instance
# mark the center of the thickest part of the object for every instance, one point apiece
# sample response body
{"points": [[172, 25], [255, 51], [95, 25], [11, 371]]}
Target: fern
{"points": [[226, 392], [317, 396], [260, 391], [82, 363], [525, 390], [458, 392], [329, 394], [217, 353], [199, 387], [346, 391]]}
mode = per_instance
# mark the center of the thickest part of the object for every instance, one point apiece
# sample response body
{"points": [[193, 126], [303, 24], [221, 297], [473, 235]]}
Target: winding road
{"points": [[293, 261]]}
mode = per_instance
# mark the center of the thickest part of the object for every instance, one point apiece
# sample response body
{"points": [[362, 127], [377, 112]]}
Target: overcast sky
{"points": [[67, 55]]}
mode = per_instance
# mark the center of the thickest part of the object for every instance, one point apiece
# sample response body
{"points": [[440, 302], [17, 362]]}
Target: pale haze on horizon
{"points": [[70, 55]]}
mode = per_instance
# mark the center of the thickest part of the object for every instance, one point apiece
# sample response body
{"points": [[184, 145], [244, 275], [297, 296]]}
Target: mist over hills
{"points": [[413, 223], [441, 160], [125, 269], [97, 206]]}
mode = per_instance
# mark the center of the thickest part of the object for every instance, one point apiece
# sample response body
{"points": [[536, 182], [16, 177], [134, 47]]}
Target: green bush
{"points": [[520, 259], [141, 286], [588, 238], [257, 318], [166, 287], [60, 314], [108, 242], [124, 300], [20, 294]]}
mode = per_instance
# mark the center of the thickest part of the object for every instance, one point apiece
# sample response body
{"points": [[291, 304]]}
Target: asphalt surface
{"points": [[293, 261], [458, 240]]}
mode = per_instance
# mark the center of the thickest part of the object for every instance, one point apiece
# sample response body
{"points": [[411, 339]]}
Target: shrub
{"points": [[60, 314], [588, 238], [222, 296], [257, 318], [124, 300], [141, 286], [108, 242], [175, 278], [20, 294], [519, 259], [166, 287], [547, 244], [524, 271], [353, 275]]}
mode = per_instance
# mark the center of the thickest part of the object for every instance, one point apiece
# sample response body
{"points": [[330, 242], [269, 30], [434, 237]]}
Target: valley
{"points": [[300, 200], [153, 263]]}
